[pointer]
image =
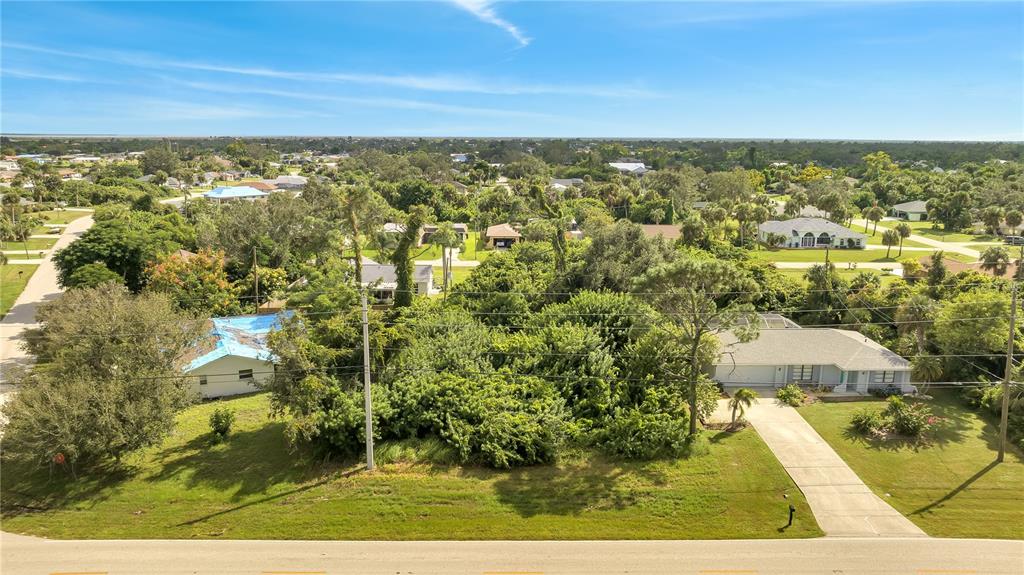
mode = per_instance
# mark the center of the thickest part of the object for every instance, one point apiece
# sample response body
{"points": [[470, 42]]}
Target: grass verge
{"points": [[949, 487], [13, 278], [252, 486]]}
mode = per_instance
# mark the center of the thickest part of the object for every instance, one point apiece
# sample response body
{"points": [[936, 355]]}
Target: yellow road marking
{"points": [[295, 573], [513, 573], [946, 571], [79, 573], [728, 571]]}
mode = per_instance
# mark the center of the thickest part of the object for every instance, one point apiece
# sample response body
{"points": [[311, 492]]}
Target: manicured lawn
{"points": [[60, 216], [474, 249], [876, 240], [459, 275], [950, 487], [816, 255], [252, 486], [925, 229], [843, 273], [13, 278], [32, 243]]}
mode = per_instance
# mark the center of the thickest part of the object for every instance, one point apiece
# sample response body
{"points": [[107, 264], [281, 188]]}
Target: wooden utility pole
{"points": [[1004, 416], [367, 403]]}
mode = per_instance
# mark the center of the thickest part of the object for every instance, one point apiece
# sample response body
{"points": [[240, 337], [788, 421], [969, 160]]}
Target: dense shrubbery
{"points": [[990, 398], [791, 394], [900, 417]]}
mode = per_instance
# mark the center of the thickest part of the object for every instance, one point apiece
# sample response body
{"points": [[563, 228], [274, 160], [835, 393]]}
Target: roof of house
{"points": [[384, 275], [628, 166], [805, 212], [502, 231], [801, 226], [291, 180], [237, 336], [914, 206], [265, 185], [668, 231], [393, 228], [845, 349], [567, 182], [229, 192], [183, 254]]}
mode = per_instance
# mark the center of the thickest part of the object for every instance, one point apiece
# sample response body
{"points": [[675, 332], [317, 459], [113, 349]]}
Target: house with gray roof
{"points": [[382, 279], [809, 233], [915, 211], [844, 360]]}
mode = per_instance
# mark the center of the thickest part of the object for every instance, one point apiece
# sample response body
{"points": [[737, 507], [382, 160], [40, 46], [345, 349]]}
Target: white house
{"points": [[632, 168], [846, 361], [810, 233], [234, 357], [235, 193], [915, 211], [383, 281]]}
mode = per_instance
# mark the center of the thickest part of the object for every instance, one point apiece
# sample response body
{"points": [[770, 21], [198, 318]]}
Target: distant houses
{"points": [[809, 233], [631, 168], [915, 211], [235, 193], [502, 236], [233, 358]]}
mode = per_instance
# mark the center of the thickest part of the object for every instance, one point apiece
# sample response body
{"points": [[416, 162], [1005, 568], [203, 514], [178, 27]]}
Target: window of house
{"points": [[202, 380], [883, 376], [244, 374], [801, 372]]}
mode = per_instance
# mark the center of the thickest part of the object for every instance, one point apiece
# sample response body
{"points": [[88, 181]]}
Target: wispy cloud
{"points": [[485, 12], [39, 75], [432, 83]]}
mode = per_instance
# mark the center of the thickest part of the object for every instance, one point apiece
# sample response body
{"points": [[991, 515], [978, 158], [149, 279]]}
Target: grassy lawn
{"points": [[925, 229], [459, 275], [843, 273], [876, 240], [252, 487], [60, 216], [949, 488], [13, 278], [818, 255], [33, 244]]}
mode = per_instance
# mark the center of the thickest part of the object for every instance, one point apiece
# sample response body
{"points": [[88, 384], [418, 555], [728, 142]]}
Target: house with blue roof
{"points": [[233, 358], [235, 193]]}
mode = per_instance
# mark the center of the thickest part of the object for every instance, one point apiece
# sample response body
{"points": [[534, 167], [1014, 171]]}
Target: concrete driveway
{"points": [[842, 504]]}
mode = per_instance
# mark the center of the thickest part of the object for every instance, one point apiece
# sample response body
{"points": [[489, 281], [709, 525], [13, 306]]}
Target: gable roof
{"points": [[628, 166], [234, 192], [237, 336], [801, 226], [845, 349], [502, 231], [383, 275], [920, 206], [668, 231]]}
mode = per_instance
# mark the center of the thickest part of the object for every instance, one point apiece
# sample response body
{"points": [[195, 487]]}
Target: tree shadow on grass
{"points": [[247, 463], [31, 490], [599, 484], [956, 490]]}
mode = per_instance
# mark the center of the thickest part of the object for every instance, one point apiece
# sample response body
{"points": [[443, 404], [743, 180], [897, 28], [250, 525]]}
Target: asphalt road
{"points": [[831, 556]]}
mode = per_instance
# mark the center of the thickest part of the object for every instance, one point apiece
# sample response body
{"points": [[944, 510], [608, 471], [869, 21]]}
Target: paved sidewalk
{"points": [[953, 247], [842, 504], [41, 287]]}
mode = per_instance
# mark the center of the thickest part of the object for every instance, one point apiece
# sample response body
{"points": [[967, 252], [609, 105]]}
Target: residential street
{"points": [[31, 556], [843, 505], [42, 286], [952, 247]]}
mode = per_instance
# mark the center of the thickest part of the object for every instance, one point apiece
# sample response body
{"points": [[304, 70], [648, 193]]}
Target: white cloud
{"points": [[484, 11], [39, 75]]}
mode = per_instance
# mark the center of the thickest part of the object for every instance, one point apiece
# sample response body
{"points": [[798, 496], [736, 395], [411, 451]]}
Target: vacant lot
{"points": [[33, 245], [876, 240], [252, 487], [59, 216], [816, 255], [925, 229], [13, 278], [843, 273], [950, 487]]}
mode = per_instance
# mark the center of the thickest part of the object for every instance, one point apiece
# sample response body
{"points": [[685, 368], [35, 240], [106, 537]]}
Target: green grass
{"points": [[459, 275], [33, 244], [843, 273], [59, 217], [252, 486], [818, 255], [13, 278], [950, 487], [925, 229], [876, 240]]}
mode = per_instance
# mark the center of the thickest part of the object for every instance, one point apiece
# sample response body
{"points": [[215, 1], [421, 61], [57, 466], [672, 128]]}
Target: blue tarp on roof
{"points": [[232, 192], [240, 336]]}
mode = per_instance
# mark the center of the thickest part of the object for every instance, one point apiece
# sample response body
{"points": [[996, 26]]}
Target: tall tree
{"points": [[402, 257]]}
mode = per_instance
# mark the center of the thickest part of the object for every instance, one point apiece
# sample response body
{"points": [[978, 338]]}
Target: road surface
{"points": [[952, 247], [831, 556], [41, 287]]}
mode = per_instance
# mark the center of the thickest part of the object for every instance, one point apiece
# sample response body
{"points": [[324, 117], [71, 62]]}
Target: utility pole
{"points": [[367, 403], [256, 278], [1004, 416]]}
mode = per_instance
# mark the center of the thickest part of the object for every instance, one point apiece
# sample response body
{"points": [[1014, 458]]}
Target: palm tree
{"points": [[741, 399], [889, 239], [916, 314], [905, 231], [996, 259], [875, 214], [926, 368]]}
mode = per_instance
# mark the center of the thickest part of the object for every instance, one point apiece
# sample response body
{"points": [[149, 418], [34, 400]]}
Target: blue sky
{"points": [[859, 70]]}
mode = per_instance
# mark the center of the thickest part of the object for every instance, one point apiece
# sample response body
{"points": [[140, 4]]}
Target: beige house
{"points": [[234, 357], [502, 236]]}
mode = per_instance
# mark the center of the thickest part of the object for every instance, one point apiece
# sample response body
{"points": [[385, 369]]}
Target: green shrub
{"points": [[867, 421], [791, 394], [221, 421], [658, 427], [910, 419]]}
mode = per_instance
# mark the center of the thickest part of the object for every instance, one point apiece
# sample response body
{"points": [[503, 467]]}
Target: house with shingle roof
{"points": [[809, 233], [915, 211], [502, 236], [844, 360]]}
